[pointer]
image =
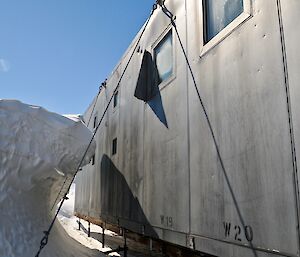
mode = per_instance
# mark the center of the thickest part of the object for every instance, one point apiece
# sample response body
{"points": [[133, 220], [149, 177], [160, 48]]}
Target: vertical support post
{"points": [[125, 251], [79, 224], [125, 244], [89, 230], [103, 236], [150, 244]]}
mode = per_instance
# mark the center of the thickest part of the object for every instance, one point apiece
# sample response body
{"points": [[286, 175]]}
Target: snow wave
{"points": [[38, 150]]}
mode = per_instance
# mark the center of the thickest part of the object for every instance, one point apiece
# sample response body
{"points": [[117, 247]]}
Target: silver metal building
{"points": [[156, 170]]}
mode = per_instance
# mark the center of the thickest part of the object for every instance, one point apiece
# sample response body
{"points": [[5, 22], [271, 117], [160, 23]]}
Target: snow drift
{"points": [[38, 150]]}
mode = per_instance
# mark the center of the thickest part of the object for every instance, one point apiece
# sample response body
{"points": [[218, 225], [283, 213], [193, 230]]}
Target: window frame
{"points": [[226, 31], [162, 36]]}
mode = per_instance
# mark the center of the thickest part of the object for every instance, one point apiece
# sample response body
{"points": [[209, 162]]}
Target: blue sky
{"points": [[55, 53]]}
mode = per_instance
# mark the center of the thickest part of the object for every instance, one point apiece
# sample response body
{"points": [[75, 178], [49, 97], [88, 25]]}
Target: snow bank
{"points": [[38, 150]]}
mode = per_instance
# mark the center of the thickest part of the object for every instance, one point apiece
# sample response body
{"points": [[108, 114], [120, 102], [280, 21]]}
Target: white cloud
{"points": [[4, 66]]}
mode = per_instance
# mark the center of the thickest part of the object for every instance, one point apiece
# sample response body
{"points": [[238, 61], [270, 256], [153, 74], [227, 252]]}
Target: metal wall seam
{"points": [[188, 121], [288, 99]]}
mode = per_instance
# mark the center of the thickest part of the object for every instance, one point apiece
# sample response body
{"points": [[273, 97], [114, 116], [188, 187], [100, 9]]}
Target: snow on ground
{"points": [[71, 227], [38, 150], [69, 222]]}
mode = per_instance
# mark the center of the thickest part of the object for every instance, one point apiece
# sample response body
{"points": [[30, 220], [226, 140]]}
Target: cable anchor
{"points": [[160, 2], [65, 197]]}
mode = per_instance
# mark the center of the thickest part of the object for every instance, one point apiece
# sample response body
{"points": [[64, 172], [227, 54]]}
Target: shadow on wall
{"points": [[147, 88], [118, 201], [158, 109]]}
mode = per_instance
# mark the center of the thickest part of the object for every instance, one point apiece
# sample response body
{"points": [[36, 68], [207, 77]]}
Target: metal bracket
{"points": [[160, 2]]}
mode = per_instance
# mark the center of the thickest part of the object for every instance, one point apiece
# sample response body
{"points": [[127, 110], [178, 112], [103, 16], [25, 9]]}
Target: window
{"points": [[116, 98], [163, 56], [114, 146], [218, 14], [95, 122]]}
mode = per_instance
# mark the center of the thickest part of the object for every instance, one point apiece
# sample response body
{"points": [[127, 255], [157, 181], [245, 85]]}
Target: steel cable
{"points": [[44, 240], [66, 178], [171, 17]]}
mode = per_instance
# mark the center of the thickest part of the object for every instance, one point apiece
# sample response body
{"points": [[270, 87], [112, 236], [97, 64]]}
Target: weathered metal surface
{"points": [[166, 180]]}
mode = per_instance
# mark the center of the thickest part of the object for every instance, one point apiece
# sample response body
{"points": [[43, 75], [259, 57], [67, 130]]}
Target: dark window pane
{"points": [[163, 53], [95, 121], [116, 96], [218, 14], [114, 146], [93, 160]]}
